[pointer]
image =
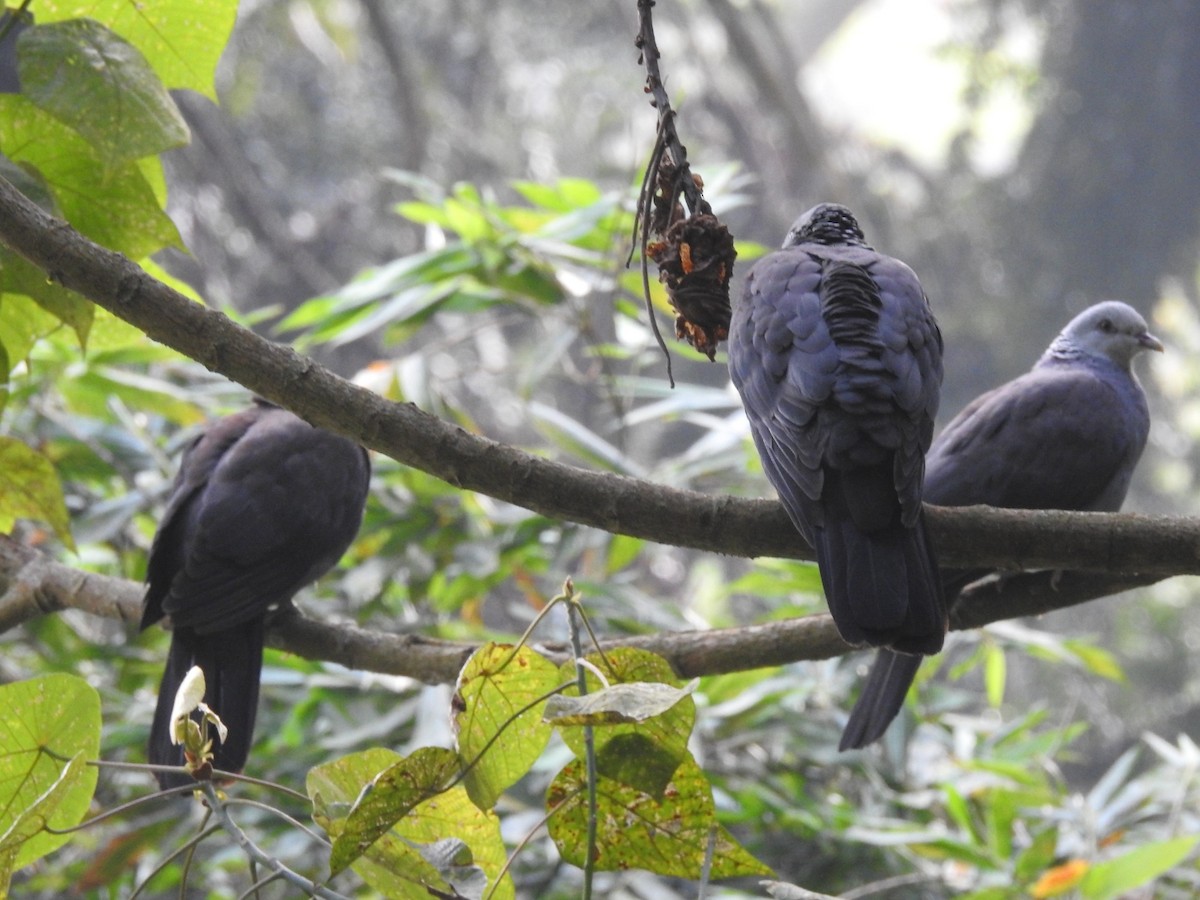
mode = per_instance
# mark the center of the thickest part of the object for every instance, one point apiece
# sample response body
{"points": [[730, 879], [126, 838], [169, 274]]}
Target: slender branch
{"points": [[256, 854], [434, 661], [648, 45]]}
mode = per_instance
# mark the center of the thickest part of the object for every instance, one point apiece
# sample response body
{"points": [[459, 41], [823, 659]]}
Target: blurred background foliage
{"points": [[435, 197]]}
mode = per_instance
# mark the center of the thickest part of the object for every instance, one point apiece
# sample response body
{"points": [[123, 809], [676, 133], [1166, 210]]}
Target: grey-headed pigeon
{"points": [[1065, 435], [838, 361], [263, 505]]}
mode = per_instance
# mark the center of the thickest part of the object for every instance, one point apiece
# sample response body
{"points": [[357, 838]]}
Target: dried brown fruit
{"points": [[695, 263]]}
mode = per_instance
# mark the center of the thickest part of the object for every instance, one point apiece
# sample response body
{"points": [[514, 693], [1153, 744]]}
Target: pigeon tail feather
{"points": [[881, 698], [882, 586]]}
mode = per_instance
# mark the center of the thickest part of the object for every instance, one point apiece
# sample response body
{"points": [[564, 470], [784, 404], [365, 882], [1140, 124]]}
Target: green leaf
{"points": [[59, 713], [1038, 856], [565, 195], [22, 324], [182, 39], [92, 390], [30, 489], [389, 865], [99, 84], [33, 819], [1000, 808], [389, 797], [622, 551], [454, 815], [499, 720], [21, 278], [960, 812], [620, 703], [29, 182], [636, 761], [395, 865], [5, 369], [117, 207], [1139, 866], [667, 835], [669, 731]]}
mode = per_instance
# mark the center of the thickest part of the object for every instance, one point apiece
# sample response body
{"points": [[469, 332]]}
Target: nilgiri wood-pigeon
{"points": [[263, 504], [838, 360], [1065, 435]]}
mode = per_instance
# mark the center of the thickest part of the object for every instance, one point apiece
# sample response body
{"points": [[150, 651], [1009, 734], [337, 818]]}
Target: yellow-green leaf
{"points": [[994, 675], [30, 489], [115, 205], [181, 39], [1117, 877], [389, 797], [499, 719], [406, 863], [668, 835], [58, 713]]}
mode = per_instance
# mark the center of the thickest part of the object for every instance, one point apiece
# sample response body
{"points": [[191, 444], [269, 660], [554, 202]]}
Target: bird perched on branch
{"points": [[263, 505], [838, 360], [1065, 435]]}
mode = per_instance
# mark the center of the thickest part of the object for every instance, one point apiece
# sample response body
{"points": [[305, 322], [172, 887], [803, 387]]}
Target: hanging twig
{"points": [[694, 252]]}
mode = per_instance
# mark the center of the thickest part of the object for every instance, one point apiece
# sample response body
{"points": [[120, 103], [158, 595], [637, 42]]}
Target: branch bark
{"points": [[32, 584]]}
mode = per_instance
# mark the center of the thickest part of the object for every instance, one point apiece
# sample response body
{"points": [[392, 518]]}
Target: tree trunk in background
{"points": [[1105, 199]]}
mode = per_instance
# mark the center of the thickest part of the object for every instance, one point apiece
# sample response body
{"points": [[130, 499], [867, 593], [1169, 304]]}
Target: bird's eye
{"points": [[1107, 326]]}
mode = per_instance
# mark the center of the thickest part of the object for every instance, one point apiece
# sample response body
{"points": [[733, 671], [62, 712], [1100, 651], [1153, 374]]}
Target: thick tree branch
{"points": [[1118, 550], [970, 537], [32, 584]]}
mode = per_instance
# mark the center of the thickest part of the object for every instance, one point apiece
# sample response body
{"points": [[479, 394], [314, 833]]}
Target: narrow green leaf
{"points": [[30, 489], [499, 718], [960, 812], [1096, 660], [1000, 807], [95, 388], [994, 675], [667, 835], [1116, 877], [59, 713], [100, 85]]}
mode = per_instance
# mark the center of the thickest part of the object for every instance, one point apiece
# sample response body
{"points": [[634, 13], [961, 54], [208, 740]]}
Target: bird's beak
{"points": [[1150, 342]]}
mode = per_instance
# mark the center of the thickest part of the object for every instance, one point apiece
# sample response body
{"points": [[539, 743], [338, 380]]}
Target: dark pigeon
{"points": [[263, 505], [1065, 435], [838, 361]]}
